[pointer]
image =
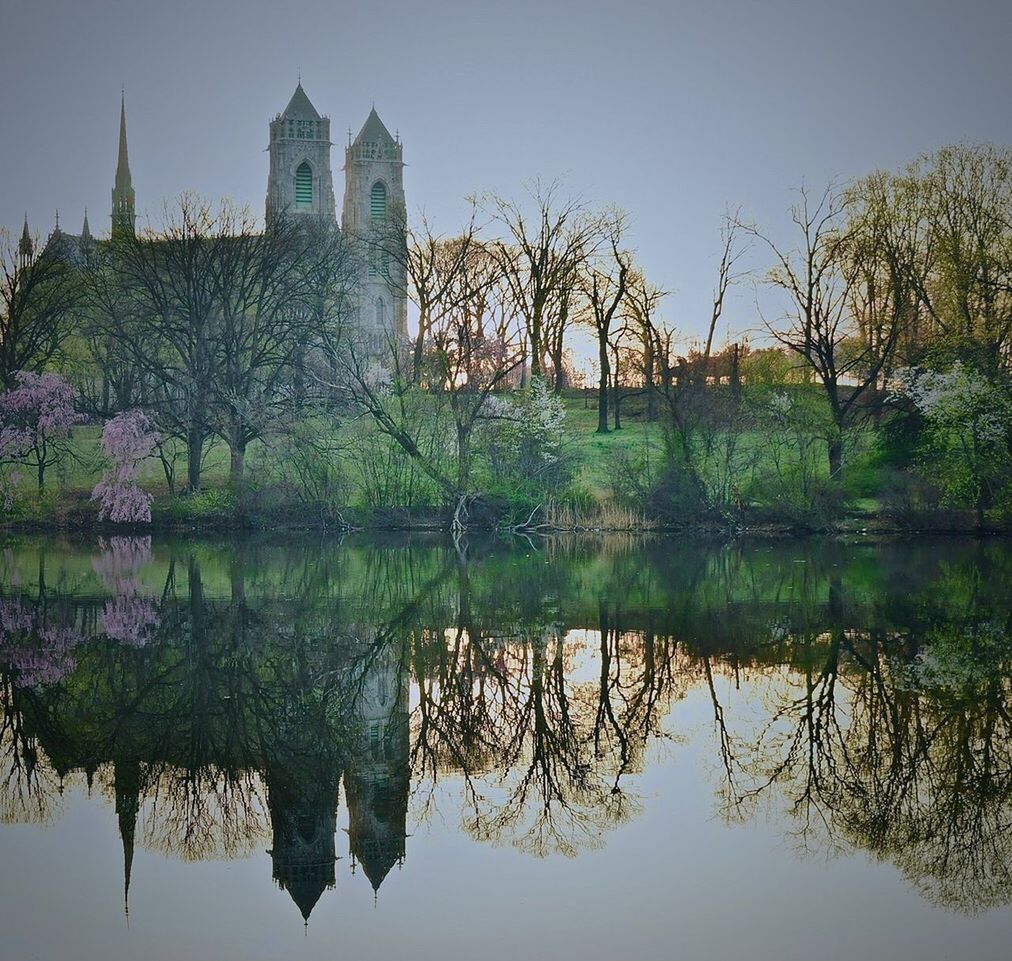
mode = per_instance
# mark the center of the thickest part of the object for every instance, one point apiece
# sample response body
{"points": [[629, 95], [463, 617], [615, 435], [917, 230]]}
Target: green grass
{"points": [[594, 454]]}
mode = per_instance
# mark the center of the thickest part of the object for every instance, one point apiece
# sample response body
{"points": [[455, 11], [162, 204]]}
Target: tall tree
{"points": [[603, 281], [545, 240], [819, 278], [219, 317]]}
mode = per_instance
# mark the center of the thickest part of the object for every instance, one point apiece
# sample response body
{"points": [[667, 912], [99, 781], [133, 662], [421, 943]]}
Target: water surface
{"points": [[588, 748]]}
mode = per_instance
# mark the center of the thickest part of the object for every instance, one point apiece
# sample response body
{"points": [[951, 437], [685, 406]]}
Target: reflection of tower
{"points": [[126, 777], [303, 809], [377, 780]]}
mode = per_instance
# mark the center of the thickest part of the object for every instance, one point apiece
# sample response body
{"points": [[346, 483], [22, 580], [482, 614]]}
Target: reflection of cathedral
{"points": [[304, 822], [303, 799], [377, 778]]}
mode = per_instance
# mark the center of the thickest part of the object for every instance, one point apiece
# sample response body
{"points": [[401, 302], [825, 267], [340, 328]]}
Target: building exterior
{"points": [[300, 185]]}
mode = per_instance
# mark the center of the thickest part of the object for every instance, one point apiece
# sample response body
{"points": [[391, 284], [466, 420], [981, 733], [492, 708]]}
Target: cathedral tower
{"points": [[300, 181], [123, 202], [374, 212]]}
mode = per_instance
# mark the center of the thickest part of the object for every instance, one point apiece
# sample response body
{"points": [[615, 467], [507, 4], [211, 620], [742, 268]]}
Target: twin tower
{"points": [[300, 184]]}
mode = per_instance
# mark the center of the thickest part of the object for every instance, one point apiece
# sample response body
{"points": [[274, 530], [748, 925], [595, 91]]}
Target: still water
{"points": [[565, 749]]}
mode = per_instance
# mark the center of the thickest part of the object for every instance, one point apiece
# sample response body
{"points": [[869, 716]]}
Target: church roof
{"points": [[373, 130], [300, 107]]}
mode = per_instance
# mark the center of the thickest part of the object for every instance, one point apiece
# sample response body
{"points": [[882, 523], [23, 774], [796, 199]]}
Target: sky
{"points": [[673, 111]]}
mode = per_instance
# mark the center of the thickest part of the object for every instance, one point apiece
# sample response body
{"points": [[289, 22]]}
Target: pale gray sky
{"points": [[672, 110]]}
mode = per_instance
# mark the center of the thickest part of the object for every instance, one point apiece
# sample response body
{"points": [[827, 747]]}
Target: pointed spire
{"points": [[26, 247], [300, 107], [85, 229], [374, 130], [123, 160], [123, 200]]}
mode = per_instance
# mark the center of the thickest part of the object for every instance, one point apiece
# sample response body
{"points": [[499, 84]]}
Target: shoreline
{"points": [[871, 526]]}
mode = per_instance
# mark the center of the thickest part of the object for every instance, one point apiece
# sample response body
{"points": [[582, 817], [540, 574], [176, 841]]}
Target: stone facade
{"points": [[300, 183], [374, 212]]}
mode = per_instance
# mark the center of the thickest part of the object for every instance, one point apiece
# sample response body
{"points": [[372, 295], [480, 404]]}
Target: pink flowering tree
{"points": [[36, 419], [127, 440]]}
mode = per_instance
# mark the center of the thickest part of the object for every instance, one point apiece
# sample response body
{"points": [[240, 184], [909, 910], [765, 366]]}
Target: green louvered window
{"points": [[304, 185], [378, 201]]}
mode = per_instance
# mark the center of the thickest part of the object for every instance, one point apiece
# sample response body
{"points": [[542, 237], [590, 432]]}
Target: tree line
{"points": [[880, 336]]}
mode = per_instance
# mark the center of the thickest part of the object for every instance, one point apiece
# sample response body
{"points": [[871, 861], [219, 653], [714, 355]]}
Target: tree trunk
{"points": [[463, 459], [560, 374], [836, 457], [237, 465], [602, 386], [648, 378], [194, 452]]}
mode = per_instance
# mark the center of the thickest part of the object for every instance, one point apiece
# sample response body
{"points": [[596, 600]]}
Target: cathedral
{"points": [[300, 185]]}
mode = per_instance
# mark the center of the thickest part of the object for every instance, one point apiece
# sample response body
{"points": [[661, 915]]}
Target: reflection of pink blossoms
{"points": [[129, 620], [120, 560], [128, 617], [37, 654], [127, 440]]}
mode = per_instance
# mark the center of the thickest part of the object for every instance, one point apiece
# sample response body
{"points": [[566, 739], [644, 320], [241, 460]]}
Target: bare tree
{"points": [[218, 316], [603, 282], [641, 305], [819, 279], [539, 256], [475, 345], [433, 266], [731, 252]]}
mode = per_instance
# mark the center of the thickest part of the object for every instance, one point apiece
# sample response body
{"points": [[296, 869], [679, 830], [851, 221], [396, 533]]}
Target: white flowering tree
{"points": [[524, 437], [969, 427]]}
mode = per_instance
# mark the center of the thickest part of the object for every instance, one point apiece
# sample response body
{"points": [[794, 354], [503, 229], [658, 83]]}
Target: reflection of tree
{"points": [[906, 756], [543, 755], [268, 676]]}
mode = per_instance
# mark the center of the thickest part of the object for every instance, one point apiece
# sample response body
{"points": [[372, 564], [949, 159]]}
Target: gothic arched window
{"points": [[378, 201], [304, 185]]}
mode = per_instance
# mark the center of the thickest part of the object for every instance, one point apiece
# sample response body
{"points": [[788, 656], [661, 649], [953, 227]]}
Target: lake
{"points": [[310, 748]]}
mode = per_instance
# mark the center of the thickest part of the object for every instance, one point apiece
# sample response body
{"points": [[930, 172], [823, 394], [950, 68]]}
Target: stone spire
{"points": [[26, 246], [123, 212], [86, 240]]}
